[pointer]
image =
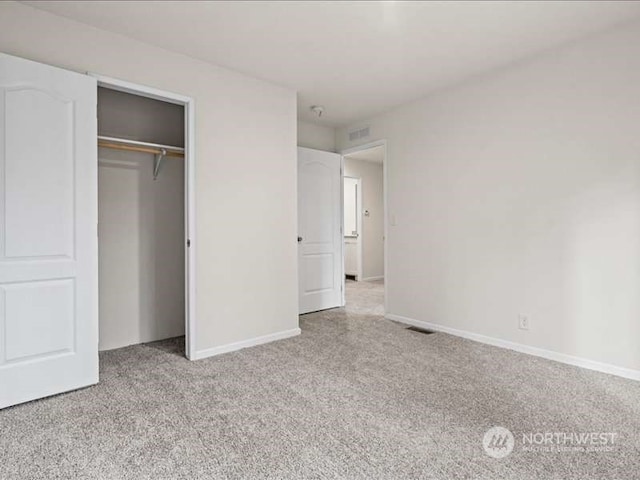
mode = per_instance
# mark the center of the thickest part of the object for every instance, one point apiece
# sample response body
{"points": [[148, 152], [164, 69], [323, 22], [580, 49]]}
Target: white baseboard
{"points": [[252, 342], [371, 279], [519, 347]]}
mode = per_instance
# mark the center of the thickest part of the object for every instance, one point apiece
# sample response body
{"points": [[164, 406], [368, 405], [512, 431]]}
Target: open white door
{"points": [[319, 229], [48, 231]]}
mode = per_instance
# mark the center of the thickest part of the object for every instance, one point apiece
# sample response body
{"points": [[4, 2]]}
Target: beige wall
{"points": [[372, 226], [318, 137], [245, 168], [519, 193]]}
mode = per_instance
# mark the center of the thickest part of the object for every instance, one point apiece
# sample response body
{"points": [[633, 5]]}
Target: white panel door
{"points": [[48, 231], [319, 230]]}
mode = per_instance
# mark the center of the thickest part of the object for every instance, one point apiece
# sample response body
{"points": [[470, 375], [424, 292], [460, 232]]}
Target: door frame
{"points": [[359, 223], [366, 146], [189, 191]]}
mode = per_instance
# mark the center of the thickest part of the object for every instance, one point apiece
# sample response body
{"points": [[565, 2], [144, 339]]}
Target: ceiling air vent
{"points": [[359, 133]]}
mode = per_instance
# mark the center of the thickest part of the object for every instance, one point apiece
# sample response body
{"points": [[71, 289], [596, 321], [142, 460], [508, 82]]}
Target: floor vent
{"points": [[421, 330]]}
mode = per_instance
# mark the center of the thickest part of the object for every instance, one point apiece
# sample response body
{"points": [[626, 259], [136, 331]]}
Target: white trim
{"points": [[190, 228], [371, 279], [364, 146], [343, 250], [189, 186], [519, 347], [385, 189], [140, 90], [252, 342]]}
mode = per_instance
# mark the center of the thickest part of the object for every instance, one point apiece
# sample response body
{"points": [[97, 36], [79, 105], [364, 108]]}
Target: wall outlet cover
{"points": [[523, 322]]}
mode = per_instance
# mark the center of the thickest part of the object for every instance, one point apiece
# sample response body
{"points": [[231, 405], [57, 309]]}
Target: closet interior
{"points": [[141, 219]]}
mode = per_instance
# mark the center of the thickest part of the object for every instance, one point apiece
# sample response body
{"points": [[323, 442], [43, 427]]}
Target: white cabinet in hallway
{"points": [[351, 257], [351, 219]]}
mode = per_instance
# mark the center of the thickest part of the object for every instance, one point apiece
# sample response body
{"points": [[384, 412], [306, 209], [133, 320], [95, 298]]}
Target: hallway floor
{"points": [[365, 297]]}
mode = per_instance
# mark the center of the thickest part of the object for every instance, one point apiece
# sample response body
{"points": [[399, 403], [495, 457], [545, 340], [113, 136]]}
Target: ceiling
{"points": [[375, 154], [356, 58]]}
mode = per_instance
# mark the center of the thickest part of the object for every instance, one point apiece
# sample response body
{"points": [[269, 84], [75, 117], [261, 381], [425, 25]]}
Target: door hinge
{"points": [[188, 242]]}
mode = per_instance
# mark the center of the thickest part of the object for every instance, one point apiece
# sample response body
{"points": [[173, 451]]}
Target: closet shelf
{"points": [[135, 146]]}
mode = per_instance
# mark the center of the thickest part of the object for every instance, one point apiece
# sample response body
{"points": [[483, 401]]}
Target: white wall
{"points": [[245, 168], [519, 193], [372, 226], [315, 136]]}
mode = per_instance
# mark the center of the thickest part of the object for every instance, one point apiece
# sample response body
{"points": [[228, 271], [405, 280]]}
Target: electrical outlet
{"points": [[523, 322]]}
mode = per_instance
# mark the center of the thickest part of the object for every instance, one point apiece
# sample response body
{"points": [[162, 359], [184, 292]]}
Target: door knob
{"points": [[299, 239]]}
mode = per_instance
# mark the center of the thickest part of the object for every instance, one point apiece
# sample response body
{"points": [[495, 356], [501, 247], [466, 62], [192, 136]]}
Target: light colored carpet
{"points": [[355, 396]]}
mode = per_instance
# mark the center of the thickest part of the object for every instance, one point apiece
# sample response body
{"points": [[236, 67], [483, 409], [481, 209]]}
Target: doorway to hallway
{"points": [[365, 297], [364, 228]]}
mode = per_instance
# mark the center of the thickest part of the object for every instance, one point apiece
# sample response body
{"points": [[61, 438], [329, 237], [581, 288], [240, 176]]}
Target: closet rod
{"points": [[135, 146]]}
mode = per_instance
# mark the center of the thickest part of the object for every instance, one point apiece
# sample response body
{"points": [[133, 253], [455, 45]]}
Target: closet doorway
{"points": [[146, 216]]}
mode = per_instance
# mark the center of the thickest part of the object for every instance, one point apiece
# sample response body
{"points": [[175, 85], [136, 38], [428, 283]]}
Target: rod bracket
{"points": [[157, 161]]}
